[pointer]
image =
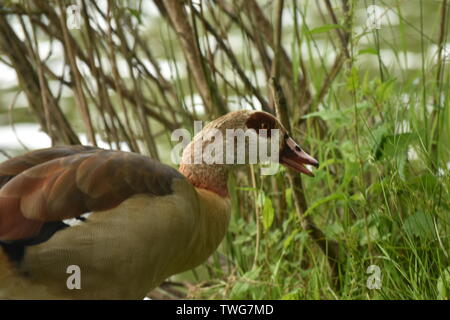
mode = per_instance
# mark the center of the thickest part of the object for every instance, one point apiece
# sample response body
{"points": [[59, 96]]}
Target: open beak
{"points": [[292, 156]]}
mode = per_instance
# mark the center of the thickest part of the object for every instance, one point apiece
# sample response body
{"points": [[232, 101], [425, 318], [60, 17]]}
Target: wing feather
{"points": [[63, 183]]}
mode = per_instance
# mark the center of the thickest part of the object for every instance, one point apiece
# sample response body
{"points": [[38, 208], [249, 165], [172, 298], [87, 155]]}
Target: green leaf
{"points": [[393, 145], [333, 230], [295, 295], [358, 196], [350, 172], [443, 285], [268, 213], [260, 199], [368, 51], [295, 61], [374, 235], [332, 197], [288, 196], [324, 28], [243, 288], [341, 115], [289, 239], [246, 188], [135, 13], [326, 114], [420, 224], [353, 79]]}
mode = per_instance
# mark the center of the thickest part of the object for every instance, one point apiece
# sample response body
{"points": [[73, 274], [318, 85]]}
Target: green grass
{"points": [[382, 190], [382, 207]]}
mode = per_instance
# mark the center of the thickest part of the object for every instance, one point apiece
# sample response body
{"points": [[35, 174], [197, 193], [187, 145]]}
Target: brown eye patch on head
{"points": [[261, 120]]}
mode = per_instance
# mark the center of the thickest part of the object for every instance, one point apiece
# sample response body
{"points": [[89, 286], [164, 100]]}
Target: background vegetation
{"points": [[370, 103]]}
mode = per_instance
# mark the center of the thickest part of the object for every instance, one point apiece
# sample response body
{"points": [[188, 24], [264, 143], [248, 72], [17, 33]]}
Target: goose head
{"points": [[236, 139]]}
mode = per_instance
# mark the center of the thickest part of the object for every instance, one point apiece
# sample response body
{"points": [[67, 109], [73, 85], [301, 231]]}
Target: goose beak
{"points": [[292, 156]]}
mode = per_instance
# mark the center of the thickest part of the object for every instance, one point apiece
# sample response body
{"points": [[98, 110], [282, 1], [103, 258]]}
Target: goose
{"points": [[124, 221]]}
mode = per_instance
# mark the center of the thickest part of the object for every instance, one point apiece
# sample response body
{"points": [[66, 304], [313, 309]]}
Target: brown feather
{"points": [[52, 185], [13, 167]]}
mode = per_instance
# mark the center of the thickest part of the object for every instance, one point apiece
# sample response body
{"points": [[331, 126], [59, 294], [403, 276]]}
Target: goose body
{"points": [[146, 222], [171, 220]]}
